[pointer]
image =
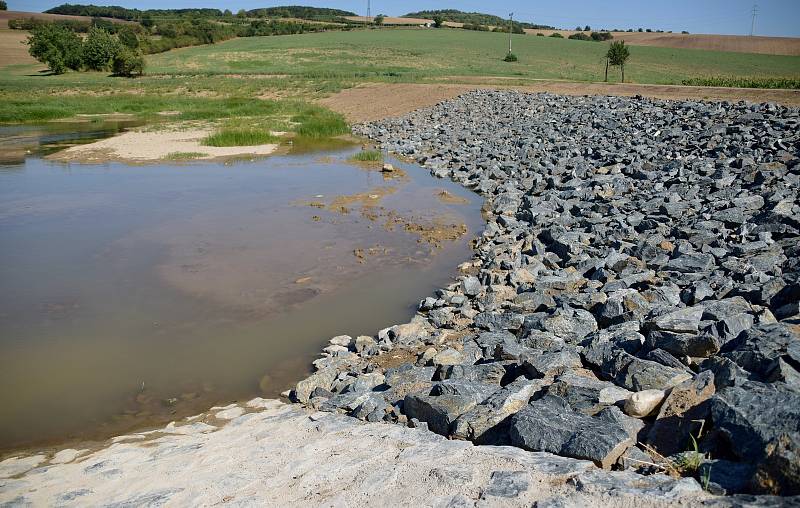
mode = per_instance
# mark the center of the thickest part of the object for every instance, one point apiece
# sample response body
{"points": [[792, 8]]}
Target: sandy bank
{"points": [[153, 146], [267, 453]]}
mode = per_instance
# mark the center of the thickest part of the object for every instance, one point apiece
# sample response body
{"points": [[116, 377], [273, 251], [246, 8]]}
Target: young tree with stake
{"points": [[617, 55]]}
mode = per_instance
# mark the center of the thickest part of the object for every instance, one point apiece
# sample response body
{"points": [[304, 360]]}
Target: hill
{"points": [[300, 12], [472, 18]]}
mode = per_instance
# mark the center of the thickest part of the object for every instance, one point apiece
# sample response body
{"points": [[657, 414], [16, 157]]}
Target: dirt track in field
{"points": [[376, 101]]}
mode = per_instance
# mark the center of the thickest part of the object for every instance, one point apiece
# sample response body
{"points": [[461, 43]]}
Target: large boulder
{"points": [[550, 425], [439, 412]]}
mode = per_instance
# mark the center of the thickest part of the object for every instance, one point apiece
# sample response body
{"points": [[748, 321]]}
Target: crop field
{"points": [[411, 55]]}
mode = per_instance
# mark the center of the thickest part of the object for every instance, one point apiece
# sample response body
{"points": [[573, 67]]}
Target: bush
{"points": [[539, 34], [3, 6], [57, 47], [128, 63], [556, 35], [510, 57], [601, 36], [579, 36], [99, 49], [128, 38]]}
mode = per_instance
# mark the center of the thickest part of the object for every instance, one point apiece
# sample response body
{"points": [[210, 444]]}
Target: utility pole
{"points": [[369, 14], [753, 22], [510, 29]]}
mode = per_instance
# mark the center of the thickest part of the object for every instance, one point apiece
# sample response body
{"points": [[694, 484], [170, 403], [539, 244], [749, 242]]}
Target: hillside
{"points": [[300, 12], [474, 18]]}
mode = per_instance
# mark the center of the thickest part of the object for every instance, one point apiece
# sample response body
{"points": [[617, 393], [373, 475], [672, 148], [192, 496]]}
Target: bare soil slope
{"points": [[13, 49], [376, 101]]}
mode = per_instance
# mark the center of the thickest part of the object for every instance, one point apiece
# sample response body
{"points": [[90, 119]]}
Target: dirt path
{"points": [[375, 101]]}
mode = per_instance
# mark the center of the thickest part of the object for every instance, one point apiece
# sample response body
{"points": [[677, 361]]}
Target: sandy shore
{"points": [[266, 453], [153, 146]]}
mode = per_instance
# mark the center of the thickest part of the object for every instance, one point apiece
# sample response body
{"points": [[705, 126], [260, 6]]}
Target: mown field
{"points": [[412, 55]]}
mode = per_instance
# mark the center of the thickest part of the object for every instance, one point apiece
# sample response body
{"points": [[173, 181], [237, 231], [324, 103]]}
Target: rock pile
{"points": [[633, 298]]}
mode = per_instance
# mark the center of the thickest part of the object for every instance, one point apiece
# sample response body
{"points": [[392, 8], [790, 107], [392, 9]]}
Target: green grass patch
{"points": [[184, 156], [320, 123], [745, 82], [367, 156], [415, 55], [240, 137]]}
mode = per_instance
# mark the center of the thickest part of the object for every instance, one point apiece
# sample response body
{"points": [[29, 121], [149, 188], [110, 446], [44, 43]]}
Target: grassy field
{"points": [[412, 55], [218, 83]]}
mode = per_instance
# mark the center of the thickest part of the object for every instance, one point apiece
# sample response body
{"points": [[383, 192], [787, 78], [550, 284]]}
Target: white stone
{"points": [[230, 414], [644, 403], [342, 340], [19, 465]]}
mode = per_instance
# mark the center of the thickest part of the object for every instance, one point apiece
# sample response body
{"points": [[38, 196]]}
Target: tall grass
{"points": [[320, 123], [240, 137]]}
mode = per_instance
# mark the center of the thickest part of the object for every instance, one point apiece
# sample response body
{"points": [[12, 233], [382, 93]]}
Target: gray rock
{"points": [[550, 425], [439, 412], [545, 365], [682, 414]]}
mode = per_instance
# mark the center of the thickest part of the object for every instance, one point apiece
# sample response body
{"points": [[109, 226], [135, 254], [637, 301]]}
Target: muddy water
{"points": [[133, 295]]}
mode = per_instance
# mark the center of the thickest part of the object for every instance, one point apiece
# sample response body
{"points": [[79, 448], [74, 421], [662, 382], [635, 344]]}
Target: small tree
{"points": [[128, 38], [3, 5], [438, 21], [587, 28], [379, 19], [99, 49], [57, 47], [128, 63], [617, 55]]}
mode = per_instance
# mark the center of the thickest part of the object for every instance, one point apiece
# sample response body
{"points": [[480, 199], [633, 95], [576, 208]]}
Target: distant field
{"points": [[13, 49], [6, 15], [410, 55], [735, 43]]}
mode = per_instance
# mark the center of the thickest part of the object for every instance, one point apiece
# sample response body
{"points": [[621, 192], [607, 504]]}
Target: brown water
{"points": [[132, 295]]}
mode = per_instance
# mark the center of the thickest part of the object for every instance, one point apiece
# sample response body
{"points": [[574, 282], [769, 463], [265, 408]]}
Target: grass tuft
{"points": [[183, 156], [368, 156], [240, 137]]}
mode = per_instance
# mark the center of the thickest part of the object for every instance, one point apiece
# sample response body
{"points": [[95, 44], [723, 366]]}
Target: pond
{"points": [[133, 295]]}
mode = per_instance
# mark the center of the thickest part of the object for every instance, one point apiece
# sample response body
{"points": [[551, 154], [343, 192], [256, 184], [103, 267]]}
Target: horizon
{"points": [[776, 18]]}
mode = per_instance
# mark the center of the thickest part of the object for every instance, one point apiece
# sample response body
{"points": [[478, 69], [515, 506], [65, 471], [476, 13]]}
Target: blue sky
{"points": [[776, 17]]}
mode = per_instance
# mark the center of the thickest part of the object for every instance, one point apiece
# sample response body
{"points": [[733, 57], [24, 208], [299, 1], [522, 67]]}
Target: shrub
{"points": [[601, 36], [539, 34], [128, 38], [510, 57], [579, 36], [438, 21], [684, 32], [99, 49], [57, 47], [379, 19], [128, 63], [556, 35], [3, 6]]}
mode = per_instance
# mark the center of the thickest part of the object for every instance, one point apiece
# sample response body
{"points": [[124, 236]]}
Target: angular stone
{"points": [[753, 414], [681, 414], [585, 393], [438, 412], [471, 286], [480, 423], [614, 415], [697, 345], [680, 321], [550, 425], [546, 365], [634, 373], [322, 378], [470, 389], [449, 356], [758, 349], [496, 321]]}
